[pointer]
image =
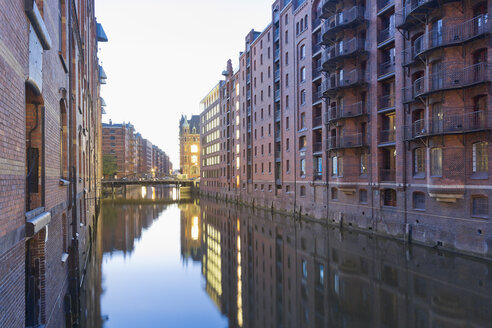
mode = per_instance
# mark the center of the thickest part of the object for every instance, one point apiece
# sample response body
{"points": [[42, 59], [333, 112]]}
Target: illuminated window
{"points": [[194, 149], [194, 159]]}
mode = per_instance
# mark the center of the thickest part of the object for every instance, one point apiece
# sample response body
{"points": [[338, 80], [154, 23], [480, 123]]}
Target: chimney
{"points": [[110, 122]]}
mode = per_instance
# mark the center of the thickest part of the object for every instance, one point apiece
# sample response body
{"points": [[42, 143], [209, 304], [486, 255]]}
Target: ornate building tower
{"points": [[189, 146]]}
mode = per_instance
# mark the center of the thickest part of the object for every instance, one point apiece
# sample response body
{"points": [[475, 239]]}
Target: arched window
{"points": [[305, 22]]}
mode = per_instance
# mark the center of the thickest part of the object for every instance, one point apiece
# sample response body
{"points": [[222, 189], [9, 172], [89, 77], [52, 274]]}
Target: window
{"points": [[303, 167], [480, 160], [480, 206], [287, 166], [303, 121], [321, 275], [303, 97], [419, 200], [286, 58], [389, 197], [303, 74], [363, 163], [419, 161], [436, 162], [363, 196], [302, 52], [63, 141], [334, 193], [287, 123], [303, 193], [337, 166], [287, 144]]}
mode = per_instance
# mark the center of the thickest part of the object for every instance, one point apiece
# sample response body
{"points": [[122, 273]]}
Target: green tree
{"points": [[109, 166]]}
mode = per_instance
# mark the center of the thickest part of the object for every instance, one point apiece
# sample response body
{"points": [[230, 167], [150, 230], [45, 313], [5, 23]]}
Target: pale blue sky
{"points": [[163, 56]]}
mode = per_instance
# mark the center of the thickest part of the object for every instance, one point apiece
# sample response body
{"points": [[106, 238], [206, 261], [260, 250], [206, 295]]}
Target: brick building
{"points": [[189, 146], [50, 157], [145, 158], [372, 114], [119, 141]]}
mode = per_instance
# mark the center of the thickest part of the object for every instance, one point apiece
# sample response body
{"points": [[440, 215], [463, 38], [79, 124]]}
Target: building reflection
{"points": [[264, 270], [191, 233], [119, 226]]}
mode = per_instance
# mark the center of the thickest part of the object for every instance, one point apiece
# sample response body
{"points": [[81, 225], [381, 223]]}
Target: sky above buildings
{"points": [[164, 56]]}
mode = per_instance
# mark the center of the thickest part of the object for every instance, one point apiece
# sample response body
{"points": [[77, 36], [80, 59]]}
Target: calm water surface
{"points": [[161, 259]]}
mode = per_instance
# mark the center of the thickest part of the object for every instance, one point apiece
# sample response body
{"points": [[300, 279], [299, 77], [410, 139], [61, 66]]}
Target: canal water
{"points": [[163, 259]]}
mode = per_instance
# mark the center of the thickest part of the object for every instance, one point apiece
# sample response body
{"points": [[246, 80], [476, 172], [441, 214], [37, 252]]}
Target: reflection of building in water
{"points": [[267, 271], [191, 242], [123, 224]]}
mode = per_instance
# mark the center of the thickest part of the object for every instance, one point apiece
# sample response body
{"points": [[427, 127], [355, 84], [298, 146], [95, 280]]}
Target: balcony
{"points": [[386, 69], [346, 19], [316, 49], [248, 94], [277, 115], [248, 78], [342, 80], [317, 147], [249, 127], [345, 111], [325, 8], [276, 75], [386, 103], [383, 5], [316, 73], [387, 175], [316, 24], [249, 109], [317, 121], [453, 34], [344, 49], [248, 62], [386, 35], [317, 96], [387, 136], [355, 140], [413, 10], [276, 56], [277, 95], [276, 34], [447, 79], [471, 121]]}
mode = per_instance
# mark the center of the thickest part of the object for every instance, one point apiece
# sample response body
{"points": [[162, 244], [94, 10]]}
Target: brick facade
{"points": [[50, 162], [374, 117]]}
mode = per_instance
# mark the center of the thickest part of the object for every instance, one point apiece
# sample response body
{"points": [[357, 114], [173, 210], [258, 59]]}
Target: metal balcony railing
{"points": [[316, 73], [447, 79], [343, 49], [276, 34], [410, 7], [386, 68], [277, 94], [277, 115], [316, 48], [248, 94], [276, 54], [449, 124], [248, 61], [317, 121], [317, 96], [316, 23], [384, 4], [387, 175], [346, 141], [249, 127], [458, 78], [248, 77], [344, 80], [386, 34], [343, 19], [385, 102], [345, 111], [276, 75], [387, 136]]}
